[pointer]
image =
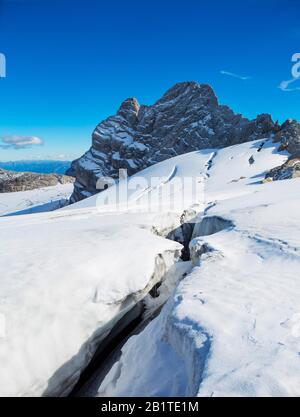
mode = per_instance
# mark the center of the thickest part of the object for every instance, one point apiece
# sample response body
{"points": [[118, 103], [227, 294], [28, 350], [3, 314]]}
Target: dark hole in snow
{"points": [[183, 234], [154, 292], [116, 339], [133, 322]]}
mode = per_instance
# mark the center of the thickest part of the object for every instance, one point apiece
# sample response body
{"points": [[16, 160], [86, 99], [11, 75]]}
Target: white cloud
{"points": [[20, 142], [285, 85], [232, 74]]}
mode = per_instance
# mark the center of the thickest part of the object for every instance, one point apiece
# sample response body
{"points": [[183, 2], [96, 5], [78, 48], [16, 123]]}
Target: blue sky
{"points": [[71, 63]]}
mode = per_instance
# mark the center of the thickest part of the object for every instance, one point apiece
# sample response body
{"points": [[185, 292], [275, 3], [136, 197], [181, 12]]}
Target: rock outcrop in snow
{"points": [[289, 137], [11, 181], [187, 118], [289, 170]]}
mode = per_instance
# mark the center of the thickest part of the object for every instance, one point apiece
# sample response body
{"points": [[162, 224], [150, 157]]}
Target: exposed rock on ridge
{"points": [[289, 170], [11, 181], [289, 136]]}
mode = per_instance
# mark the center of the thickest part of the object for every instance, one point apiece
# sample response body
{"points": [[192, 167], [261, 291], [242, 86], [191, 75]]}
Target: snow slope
{"points": [[68, 276], [65, 289], [232, 327], [153, 188], [35, 201]]}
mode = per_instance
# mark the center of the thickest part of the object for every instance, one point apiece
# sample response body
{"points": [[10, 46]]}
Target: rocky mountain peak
{"points": [[188, 117], [264, 124], [201, 94]]}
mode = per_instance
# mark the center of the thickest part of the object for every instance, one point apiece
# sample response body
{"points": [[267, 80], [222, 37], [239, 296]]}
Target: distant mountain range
{"points": [[38, 166]]}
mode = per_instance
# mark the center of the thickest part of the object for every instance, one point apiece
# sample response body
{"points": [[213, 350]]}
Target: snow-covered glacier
{"points": [[67, 277], [63, 291], [231, 325], [35, 201]]}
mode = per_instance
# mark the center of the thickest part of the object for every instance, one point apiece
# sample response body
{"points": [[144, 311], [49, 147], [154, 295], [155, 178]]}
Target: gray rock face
{"points": [[289, 136], [289, 170], [11, 181], [187, 118]]}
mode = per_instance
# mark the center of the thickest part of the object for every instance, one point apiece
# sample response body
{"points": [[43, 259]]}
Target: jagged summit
{"points": [[197, 93], [289, 136], [188, 117]]}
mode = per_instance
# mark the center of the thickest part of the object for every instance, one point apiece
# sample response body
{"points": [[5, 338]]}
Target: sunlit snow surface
{"points": [[35, 201], [66, 278], [230, 328]]}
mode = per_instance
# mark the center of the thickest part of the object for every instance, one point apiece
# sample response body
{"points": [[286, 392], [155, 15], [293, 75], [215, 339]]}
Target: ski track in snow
{"points": [[161, 183]]}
